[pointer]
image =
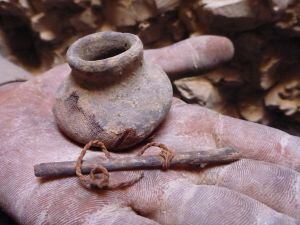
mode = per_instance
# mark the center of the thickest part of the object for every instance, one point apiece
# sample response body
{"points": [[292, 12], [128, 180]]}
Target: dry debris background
{"points": [[261, 84]]}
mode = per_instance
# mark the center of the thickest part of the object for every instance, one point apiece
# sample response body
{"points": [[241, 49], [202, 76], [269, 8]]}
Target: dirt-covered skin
{"points": [[263, 188], [245, 192], [192, 55]]}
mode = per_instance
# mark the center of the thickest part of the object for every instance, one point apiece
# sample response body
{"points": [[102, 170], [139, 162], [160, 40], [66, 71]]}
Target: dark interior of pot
{"points": [[102, 52], [108, 53], [102, 47]]}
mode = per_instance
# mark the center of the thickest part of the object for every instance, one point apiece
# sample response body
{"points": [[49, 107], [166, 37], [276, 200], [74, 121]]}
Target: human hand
{"points": [[263, 188]]}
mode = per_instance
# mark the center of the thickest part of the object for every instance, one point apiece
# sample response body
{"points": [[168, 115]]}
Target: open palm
{"points": [[262, 188]]}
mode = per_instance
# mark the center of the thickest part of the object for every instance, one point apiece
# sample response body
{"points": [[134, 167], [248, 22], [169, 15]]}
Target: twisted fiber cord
{"points": [[166, 153], [92, 181]]}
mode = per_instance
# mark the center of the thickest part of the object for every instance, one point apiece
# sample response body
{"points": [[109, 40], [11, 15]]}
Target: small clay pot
{"points": [[111, 94]]}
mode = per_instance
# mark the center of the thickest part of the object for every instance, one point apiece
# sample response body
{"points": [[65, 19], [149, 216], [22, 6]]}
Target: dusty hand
{"points": [[263, 188]]}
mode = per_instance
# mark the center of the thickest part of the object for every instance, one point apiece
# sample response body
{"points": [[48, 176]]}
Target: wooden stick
{"points": [[184, 159]]}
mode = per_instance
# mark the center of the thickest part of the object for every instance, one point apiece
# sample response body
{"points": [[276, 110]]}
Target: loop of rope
{"points": [[166, 153], [103, 182]]}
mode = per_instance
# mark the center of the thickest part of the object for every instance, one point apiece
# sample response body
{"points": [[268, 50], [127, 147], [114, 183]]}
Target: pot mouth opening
{"points": [[107, 53], [105, 50]]}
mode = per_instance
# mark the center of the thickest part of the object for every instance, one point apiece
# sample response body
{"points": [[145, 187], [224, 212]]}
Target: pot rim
{"points": [[79, 52]]}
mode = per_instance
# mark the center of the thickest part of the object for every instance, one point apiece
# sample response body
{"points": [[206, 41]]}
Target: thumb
{"points": [[192, 55]]}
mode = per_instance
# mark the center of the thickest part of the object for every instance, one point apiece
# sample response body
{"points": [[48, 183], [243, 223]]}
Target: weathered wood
{"points": [[285, 97], [186, 159], [199, 90], [235, 15]]}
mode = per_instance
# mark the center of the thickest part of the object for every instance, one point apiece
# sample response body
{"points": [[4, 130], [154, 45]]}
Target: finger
{"points": [[10, 77], [259, 142], [190, 128], [275, 186], [64, 201], [115, 215], [192, 55], [12, 73], [184, 203], [7, 90]]}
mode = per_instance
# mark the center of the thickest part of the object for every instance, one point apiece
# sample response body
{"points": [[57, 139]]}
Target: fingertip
{"points": [[219, 49], [227, 46]]}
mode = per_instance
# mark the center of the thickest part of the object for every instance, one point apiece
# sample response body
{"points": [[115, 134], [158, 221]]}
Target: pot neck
{"points": [[104, 58]]}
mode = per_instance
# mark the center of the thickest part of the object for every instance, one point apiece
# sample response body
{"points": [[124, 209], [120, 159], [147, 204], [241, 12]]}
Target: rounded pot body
{"points": [[111, 94]]}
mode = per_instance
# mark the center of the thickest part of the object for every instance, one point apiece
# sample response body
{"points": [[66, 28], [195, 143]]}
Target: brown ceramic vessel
{"points": [[111, 94]]}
